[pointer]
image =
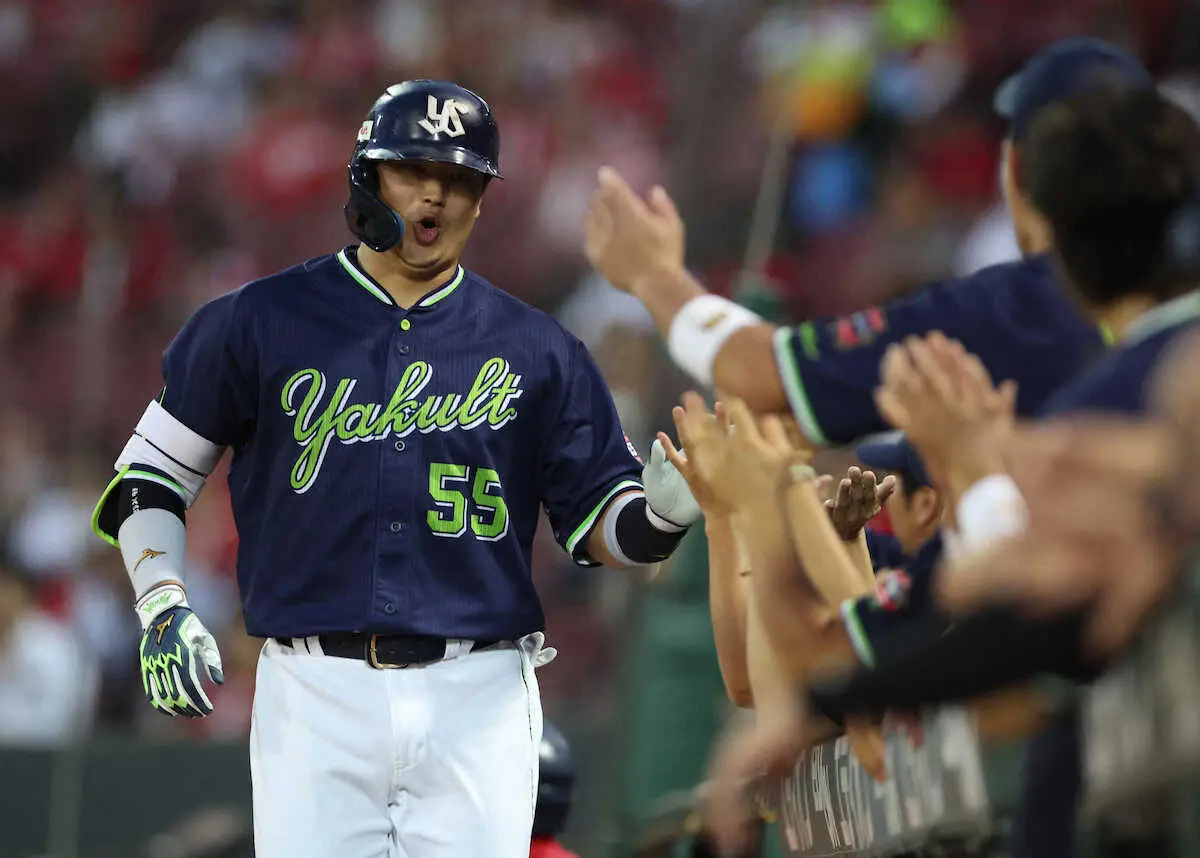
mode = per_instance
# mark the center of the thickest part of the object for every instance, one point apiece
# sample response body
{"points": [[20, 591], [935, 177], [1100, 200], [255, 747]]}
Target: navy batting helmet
{"points": [[418, 120], [556, 782]]}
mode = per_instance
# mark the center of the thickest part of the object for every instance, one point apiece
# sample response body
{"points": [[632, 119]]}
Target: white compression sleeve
{"points": [[152, 544]]}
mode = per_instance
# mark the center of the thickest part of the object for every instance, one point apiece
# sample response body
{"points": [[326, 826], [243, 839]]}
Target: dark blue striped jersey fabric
{"points": [[1015, 317], [389, 465]]}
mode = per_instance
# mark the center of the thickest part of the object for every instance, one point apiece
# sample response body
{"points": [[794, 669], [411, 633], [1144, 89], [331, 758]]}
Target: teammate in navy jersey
{"points": [[1013, 316], [1119, 179], [397, 424], [914, 508]]}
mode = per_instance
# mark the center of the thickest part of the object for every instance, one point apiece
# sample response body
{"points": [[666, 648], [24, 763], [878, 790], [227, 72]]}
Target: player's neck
{"points": [[405, 286], [1034, 237]]}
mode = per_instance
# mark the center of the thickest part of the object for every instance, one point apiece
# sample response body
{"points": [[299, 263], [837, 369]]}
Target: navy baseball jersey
{"points": [[905, 594], [1121, 382], [1014, 316], [885, 550], [389, 464]]}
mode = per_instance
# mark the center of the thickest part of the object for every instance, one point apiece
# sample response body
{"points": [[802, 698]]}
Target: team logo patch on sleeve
{"points": [[859, 329], [632, 450]]}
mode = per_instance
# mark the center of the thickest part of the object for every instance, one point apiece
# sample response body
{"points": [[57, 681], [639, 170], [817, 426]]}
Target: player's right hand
{"points": [[174, 645], [627, 238], [857, 500]]}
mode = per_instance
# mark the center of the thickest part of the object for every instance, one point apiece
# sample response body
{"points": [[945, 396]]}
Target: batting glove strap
{"points": [[670, 505], [175, 645], [158, 600]]}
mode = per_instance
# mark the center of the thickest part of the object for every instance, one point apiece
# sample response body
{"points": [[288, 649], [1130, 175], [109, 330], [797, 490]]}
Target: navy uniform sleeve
{"points": [[1013, 316], [586, 459], [208, 384], [902, 603]]}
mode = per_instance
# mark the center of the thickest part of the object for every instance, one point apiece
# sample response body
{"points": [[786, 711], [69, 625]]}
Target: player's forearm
{"points": [[768, 677], [717, 342], [993, 649], [728, 608], [860, 556], [785, 603], [822, 554], [664, 292], [746, 367], [631, 534]]}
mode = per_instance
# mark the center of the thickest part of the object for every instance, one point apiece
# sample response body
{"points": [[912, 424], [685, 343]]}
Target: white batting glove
{"points": [[667, 492], [174, 646]]}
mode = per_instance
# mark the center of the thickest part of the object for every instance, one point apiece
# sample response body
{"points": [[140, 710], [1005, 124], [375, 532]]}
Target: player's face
{"points": [[914, 519], [438, 204]]}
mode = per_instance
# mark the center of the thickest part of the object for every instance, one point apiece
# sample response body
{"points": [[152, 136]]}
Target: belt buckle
{"points": [[373, 658]]}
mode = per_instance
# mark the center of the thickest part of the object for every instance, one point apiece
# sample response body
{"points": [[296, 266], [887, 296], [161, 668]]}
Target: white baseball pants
{"points": [[426, 762]]}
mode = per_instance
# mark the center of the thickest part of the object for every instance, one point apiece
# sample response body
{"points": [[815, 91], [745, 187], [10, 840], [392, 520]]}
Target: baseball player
{"points": [[396, 423], [1013, 316]]}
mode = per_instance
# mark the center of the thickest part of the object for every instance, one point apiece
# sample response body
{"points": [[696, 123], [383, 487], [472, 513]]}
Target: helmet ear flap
{"points": [[371, 221], [365, 173]]}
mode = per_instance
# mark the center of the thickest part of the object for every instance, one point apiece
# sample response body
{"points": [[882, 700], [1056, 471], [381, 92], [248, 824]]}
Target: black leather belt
{"points": [[388, 651]]}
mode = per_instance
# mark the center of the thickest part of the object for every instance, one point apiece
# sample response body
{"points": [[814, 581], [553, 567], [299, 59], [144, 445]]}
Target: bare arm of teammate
{"points": [[728, 558], [729, 607]]}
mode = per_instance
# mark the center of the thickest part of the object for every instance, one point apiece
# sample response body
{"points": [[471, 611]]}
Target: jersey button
{"points": [[403, 349], [405, 324], [399, 445], [396, 526], [389, 608]]}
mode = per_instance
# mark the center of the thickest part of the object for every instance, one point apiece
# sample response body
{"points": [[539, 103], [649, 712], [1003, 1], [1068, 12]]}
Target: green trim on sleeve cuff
{"points": [[793, 385], [585, 527], [123, 473], [111, 539], [808, 340], [858, 635]]}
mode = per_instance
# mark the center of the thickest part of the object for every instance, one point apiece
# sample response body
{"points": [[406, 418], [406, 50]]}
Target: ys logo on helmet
{"points": [[447, 119]]}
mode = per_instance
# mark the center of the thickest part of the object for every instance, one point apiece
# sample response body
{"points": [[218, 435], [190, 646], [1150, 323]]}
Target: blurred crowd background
{"points": [[155, 153]]}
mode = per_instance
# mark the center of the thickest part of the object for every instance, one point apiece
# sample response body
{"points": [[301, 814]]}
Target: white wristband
{"points": [[699, 330], [990, 510]]}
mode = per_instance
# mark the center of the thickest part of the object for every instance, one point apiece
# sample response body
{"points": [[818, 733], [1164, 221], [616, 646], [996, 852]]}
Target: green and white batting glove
{"points": [[667, 493], [174, 645]]}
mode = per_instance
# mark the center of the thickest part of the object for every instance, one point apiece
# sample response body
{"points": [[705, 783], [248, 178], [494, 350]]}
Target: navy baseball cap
{"points": [[1061, 71], [893, 452]]}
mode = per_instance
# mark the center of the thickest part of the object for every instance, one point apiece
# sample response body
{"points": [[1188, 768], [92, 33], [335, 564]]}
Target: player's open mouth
{"points": [[426, 231]]}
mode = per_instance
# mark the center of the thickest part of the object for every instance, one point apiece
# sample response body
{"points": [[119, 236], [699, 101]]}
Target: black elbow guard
{"points": [[639, 540], [129, 493]]}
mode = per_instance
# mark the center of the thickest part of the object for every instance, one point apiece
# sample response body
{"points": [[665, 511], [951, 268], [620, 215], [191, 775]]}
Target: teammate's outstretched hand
{"points": [[626, 238], [762, 452], [858, 499], [708, 458], [697, 431], [944, 401], [174, 646]]}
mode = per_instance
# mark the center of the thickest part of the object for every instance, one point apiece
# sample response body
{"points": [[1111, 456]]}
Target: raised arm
{"points": [[638, 247], [728, 560]]}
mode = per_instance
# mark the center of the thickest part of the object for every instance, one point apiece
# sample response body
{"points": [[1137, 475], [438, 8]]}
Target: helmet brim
{"points": [[437, 154]]}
